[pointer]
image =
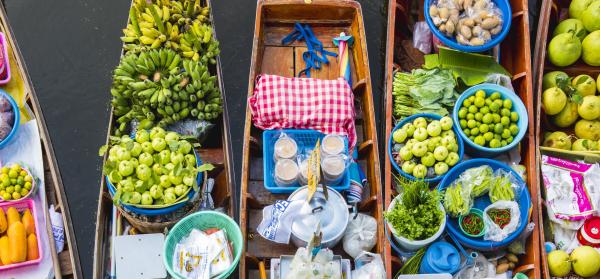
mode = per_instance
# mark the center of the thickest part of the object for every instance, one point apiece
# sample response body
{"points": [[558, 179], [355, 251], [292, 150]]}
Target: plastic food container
{"points": [[285, 148], [482, 202], [518, 106], [286, 173], [413, 245], [409, 119], [332, 145], [204, 220], [21, 206], [333, 168], [5, 68], [477, 212], [17, 116], [504, 7]]}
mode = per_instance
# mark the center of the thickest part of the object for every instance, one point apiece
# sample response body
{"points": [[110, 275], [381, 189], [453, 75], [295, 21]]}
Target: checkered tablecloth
{"points": [[304, 103]]}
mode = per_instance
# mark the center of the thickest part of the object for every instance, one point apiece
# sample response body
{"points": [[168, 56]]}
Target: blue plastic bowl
{"points": [[158, 211], [482, 202], [504, 7], [17, 117], [410, 119], [518, 106]]}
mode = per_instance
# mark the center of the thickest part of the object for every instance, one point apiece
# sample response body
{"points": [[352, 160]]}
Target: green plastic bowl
{"points": [[477, 212], [204, 220]]}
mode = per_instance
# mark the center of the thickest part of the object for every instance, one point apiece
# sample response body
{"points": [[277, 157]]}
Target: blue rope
{"points": [[316, 55]]}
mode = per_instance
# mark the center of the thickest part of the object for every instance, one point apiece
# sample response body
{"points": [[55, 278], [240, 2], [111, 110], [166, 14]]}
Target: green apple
{"points": [[408, 166], [564, 49], [446, 123], [440, 153], [420, 134], [441, 168], [420, 171], [420, 122], [399, 135], [452, 159], [142, 136], [147, 147], [419, 149], [559, 263], [432, 143], [147, 198], [591, 17], [585, 261], [410, 129], [571, 25], [405, 153], [434, 128], [125, 168], [136, 149], [428, 159]]}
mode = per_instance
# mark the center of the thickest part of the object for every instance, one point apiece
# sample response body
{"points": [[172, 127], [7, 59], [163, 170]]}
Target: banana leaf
{"points": [[471, 68]]}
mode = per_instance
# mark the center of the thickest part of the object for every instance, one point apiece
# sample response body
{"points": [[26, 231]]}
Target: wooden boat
{"points": [[215, 150], [274, 20], [550, 15], [66, 263], [514, 57]]}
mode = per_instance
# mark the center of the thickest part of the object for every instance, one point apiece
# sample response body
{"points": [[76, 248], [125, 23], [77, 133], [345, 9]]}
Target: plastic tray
{"points": [[6, 78], [158, 211], [17, 117], [306, 140], [20, 206]]}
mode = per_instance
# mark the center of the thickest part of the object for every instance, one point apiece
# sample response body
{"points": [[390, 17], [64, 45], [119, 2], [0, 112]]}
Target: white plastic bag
{"points": [[493, 232], [304, 266], [360, 235], [481, 268], [422, 39], [368, 266]]}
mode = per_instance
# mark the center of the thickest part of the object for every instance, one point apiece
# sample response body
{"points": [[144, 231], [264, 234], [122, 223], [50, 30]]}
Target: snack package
{"points": [[571, 188], [223, 259], [509, 215], [360, 235]]}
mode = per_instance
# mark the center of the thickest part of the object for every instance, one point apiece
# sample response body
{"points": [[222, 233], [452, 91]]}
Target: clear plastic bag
{"points": [[517, 247], [457, 199], [422, 39], [368, 266], [303, 266], [500, 79], [506, 187], [493, 231], [479, 179], [481, 268], [196, 128], [360, 235]]}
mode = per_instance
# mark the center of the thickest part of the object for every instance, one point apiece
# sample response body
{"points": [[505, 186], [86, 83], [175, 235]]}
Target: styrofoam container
{"points": [[21, 206]]}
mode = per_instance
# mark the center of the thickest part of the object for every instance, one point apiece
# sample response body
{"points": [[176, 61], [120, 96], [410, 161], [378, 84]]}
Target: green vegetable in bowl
{"points": [[457, 199], [479, 179], [416, 214], [502, 189]]}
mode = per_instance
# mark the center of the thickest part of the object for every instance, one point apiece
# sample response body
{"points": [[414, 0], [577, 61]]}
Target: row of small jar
{"points": [[289, 173]]}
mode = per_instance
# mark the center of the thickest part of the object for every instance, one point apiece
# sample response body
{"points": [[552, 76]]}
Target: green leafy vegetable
{"points": [[416, 215], [412, 265], [471, 68]]}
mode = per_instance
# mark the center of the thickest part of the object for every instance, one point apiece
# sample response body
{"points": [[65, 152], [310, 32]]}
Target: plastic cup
{"points": [[303, 175], [286, 172], [332, 145], [285, 148], [333, 168]]}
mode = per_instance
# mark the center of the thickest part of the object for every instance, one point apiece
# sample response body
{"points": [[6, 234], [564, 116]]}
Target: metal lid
{"points": [[332, 214]]}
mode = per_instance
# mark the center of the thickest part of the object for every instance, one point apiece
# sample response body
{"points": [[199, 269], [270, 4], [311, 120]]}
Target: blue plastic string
{"points": [[316, 55]]}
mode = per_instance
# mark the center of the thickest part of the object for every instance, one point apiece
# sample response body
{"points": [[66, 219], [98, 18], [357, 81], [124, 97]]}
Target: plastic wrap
{"points": [[500, 79], [360, 235], [196, 128], [422, 39], [321, 266], [479, 179], [517, 247], [368, 266], [493, 231], [481, 268], [470, 22], [505, 187], [457, 199]]}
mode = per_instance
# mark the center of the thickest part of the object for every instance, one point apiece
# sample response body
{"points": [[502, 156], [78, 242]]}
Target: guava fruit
{"points": [[591, 17], [585, 85], [589, 109], [571, 24], [577, 7], [559, 263], [584, 145], [591, 48], [586, 129], [558, 140], [585, 261], [551, 79], [566, 117], [564, 49], [553, 100]]}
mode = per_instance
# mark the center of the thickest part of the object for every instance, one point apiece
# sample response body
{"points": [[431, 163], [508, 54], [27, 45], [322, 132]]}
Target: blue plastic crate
{"points": [[306, 140]]}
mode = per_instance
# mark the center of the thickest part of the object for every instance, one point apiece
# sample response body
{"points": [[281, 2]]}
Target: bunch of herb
{"points": [[412, 265], [416, 214]]}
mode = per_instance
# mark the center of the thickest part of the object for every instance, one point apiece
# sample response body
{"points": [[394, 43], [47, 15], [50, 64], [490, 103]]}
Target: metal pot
{"points": [[332, 214]]}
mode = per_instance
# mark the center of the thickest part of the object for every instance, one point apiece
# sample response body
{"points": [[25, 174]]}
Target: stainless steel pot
{"points": [[331, 213]]}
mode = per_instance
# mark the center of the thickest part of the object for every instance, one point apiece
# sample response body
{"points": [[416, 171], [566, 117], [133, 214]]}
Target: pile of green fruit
{"points": [[572, 101], [154, 168], [182, 26], [426, 148], [578, 36], [15, 182], [488, 120], [151, 87], [583, 261]]}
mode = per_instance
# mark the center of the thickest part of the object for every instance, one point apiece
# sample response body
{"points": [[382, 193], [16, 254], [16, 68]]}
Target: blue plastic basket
{"points": [[17, 117], [159, 211], [518, 106], [306, 140], [482, 202], [504, 7], [410, 119]]}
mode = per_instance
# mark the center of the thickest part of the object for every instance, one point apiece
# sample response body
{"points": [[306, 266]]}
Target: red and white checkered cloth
{"points": [[304, 103]]}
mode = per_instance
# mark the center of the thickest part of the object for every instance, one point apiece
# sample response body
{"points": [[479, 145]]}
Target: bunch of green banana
{"points": [[161, 87], [198, 44], [185, 12]]}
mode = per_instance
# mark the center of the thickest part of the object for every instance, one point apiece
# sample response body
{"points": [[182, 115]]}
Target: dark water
{"points": [[70, 48]]}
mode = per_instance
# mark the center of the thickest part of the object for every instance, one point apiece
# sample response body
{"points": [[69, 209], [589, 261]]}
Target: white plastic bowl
{"points": [[413, 245]]}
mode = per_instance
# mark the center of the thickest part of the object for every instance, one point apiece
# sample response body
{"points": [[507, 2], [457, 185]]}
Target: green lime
{"points": [[485, 110], [488, 102], [22, 173], [479, 102], [479, 140], [20, 181], [480, 93], [487, 118], [470, 116], [495, 143], [495, 96], [467, 103], [498, 129], [514, 116], [503, 143], [13, 174], [463, 123], [506, 133], [473, 109], [10, 189], [505, 121], [18, 188], [16, 195], [475, 131], [488, 136], [507, 104], [6, 196], [494, 107], [471, 123], [462, 113], [484, 128], [478, 116], [514, 129], [6, 183], [505, 112], [24, 192], [509, 139], [467, 132], [496, 118], [472, 99]]}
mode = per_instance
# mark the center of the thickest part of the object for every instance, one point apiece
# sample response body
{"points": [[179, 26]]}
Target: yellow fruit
{"points": [[28, 222], [13, 216], [32, 248], [3, 221], [17, 241], [5, 250]]}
